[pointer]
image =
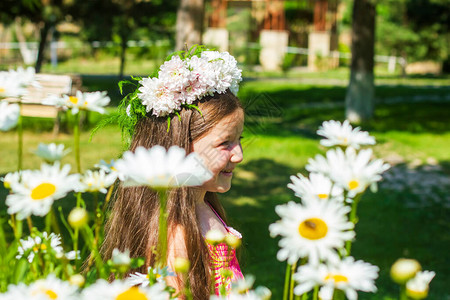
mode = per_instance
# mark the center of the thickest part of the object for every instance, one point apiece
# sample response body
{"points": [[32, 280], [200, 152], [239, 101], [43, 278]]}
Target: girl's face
{"points": [[221, 151]]}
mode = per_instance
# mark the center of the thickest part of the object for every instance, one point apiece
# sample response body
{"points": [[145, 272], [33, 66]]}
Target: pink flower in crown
{"points": [[175, 74], [158, 97]]}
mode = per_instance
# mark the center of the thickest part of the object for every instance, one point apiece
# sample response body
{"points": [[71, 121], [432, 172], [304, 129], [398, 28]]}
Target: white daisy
{"points": [[153, 275], [35, 193], [16, 292], [162, 169], [343, 134], [347, 275], [53, 288], [251, 295], [95, 101], [317, 186], [40, 244], [314, 230], [11, 179], [13, 82], [120, 258], [51, 152], [417, 288], [97, 181], [351, 170], [121, 290], [9, 115]]}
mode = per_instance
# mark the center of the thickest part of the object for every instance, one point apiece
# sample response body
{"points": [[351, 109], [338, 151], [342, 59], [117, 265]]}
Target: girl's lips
{"points": [[225, 173]]}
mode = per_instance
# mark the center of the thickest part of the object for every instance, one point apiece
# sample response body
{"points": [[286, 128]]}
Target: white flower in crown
{"points": [[347, 275], [224, 67], [174, 73], [51, 152], [9, 115], [343, 134], [37, 244], [313, 230], [53, 288], [317, 186], [181, 82], [164, 169], [417, 288], [120, 289], [158, 98], [38, 189]]}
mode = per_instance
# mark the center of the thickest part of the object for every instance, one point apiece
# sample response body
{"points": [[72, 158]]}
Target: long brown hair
{"points": [[133, 224]]}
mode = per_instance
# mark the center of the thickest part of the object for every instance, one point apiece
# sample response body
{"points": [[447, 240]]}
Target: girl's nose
{"points": [[236, 154]]}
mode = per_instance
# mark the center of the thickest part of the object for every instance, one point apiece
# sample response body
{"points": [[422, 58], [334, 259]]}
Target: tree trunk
{"points": [[360, 100], [42, 43], [189, 23]]}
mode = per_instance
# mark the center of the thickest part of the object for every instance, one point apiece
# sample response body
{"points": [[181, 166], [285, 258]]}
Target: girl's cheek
{"points": [[220, 160]]}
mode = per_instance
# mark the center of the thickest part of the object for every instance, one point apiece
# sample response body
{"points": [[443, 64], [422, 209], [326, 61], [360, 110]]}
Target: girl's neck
{"points": [[199, 195]]}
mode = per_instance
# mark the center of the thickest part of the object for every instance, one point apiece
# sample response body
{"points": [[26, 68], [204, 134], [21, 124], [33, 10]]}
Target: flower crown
{"points": [[184, 78]]}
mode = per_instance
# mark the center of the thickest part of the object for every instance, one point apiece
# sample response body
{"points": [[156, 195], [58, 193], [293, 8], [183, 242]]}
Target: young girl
{"points": [[215, 135]]}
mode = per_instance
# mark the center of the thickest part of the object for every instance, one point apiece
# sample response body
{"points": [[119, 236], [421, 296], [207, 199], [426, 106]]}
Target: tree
{"points": [[45, 14], [189, 26], [359, 100], [417, 30], [124, 20]]}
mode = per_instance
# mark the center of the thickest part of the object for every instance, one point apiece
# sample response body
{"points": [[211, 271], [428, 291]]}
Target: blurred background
{"points": [[381, 64]]}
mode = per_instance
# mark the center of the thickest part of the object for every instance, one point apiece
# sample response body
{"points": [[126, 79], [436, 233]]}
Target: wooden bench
{"points": [[49, 84]]}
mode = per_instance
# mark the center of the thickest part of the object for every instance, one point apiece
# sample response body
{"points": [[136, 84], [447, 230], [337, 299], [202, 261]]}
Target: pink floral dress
{"points": [[224, 257]]}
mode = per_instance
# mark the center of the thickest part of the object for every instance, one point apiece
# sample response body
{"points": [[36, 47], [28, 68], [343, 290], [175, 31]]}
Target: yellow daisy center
{"points": [[343, 140], [73, 99], [322, 196], [353, 184], [38, 247], [51, 294], [336, 278], [2, 90], [313, 229], [132, 293], [43, 191]]}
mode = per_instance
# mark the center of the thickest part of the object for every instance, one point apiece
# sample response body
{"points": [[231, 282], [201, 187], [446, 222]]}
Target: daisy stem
{"points": [[292, 283], [20, 138], [75, 242], [287, 280], [162, 235], [353, 219], [76, 133], [316, 293], [30, 224], [403, 295], [108, 197]]}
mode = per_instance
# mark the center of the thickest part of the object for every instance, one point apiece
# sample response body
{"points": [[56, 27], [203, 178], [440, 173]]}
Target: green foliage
{"points": [[416, 30]]}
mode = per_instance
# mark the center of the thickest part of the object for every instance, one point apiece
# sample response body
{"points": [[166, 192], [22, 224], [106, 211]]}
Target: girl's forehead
{"points": [[233, 123]]}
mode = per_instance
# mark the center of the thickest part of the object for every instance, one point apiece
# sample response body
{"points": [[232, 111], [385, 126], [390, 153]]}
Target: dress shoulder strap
{"points": [[214, 211]]}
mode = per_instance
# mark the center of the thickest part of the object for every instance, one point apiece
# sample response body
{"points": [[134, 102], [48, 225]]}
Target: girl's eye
{"points": [[224, 143]]}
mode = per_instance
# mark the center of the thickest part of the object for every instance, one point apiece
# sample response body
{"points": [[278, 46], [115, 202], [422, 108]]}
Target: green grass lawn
{"points": [[279, 145]]}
